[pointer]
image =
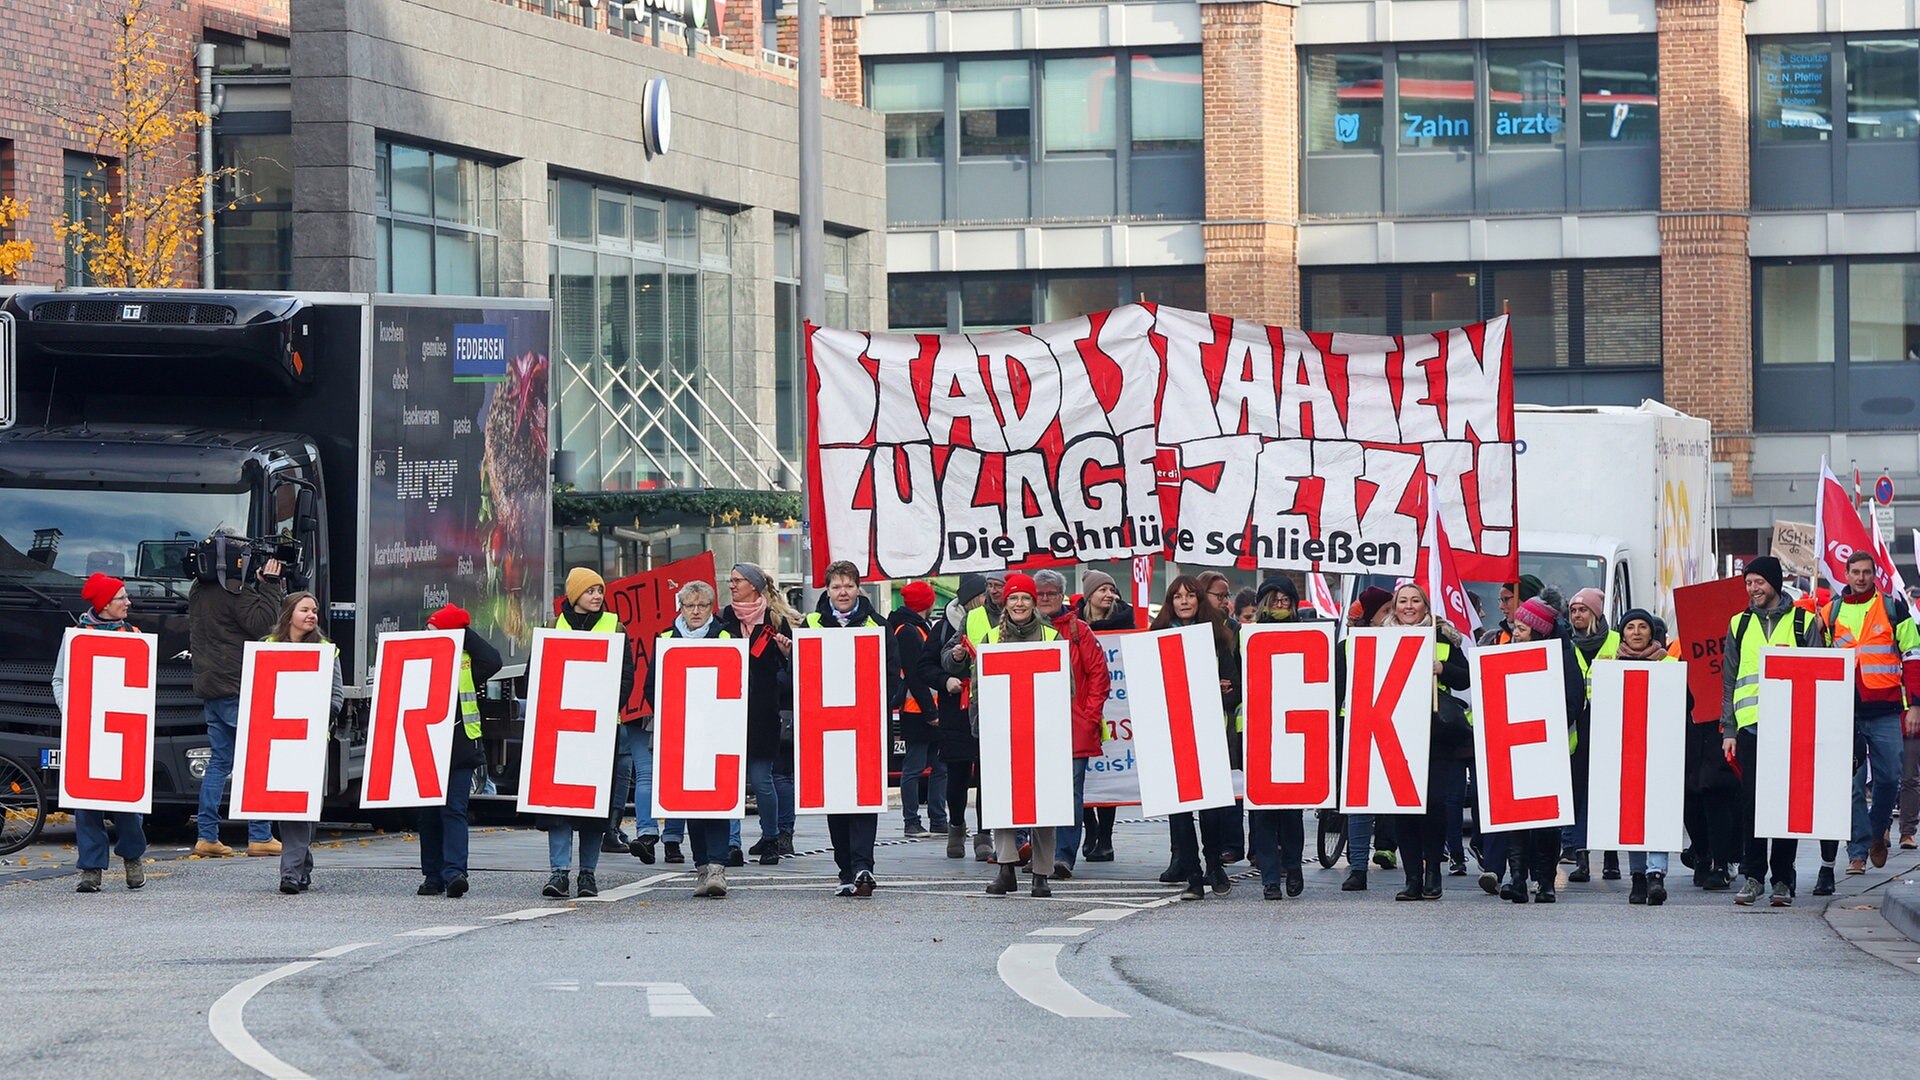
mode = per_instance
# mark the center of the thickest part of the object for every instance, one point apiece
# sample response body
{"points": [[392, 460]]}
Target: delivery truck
{"points": [[391, 450]]}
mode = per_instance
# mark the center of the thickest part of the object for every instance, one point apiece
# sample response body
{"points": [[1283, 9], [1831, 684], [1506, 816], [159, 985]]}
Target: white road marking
{"points": [[436, 931], [1105, 914], [667, 998], [227, 1022], [1031, 971], [568, 986], [632, 888], [531, 913], [340, 950], [1061, 931], [1253, 1065]]}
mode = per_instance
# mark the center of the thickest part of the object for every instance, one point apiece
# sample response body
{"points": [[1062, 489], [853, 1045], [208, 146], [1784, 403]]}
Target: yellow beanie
{"points": [[579, 580]]}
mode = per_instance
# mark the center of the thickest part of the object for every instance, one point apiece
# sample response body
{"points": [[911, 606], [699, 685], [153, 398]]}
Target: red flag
{"points": [[1320, 595], [1838, 532], [1434, 571]]}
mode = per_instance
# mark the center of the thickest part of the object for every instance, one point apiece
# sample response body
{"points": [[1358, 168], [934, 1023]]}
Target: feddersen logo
{"points": [[479, 352]]}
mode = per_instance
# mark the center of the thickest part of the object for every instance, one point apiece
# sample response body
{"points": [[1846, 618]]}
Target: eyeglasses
{"points": [[1220, 595]]}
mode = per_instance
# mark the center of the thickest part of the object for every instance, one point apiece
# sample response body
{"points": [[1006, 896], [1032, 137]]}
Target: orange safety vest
{"points": [[1877, 657]]}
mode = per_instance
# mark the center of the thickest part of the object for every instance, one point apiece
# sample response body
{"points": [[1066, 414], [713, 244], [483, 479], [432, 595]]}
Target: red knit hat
{"points": [[450, 617], [100, 590], [917, 595], [1020, 583], [1537, 616]]}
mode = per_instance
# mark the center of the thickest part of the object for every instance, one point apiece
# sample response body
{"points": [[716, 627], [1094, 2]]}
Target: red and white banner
{"points": [[1320, 595], [1883, 558], [573, 701], [1026, 735], [1637, 758], [840, 720], [1804, 757], [1838, 532], [1153, 430], [280, 745], [1179, 730], [1389, 735], [700, 728], [1436, 572], [1287, 671], [108, 682], [1520, 736], [416, 699]]}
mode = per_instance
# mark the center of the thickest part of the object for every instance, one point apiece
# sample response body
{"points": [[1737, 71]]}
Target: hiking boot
{"points": [[588, 885], [262, 848], [1782, 894], [702, 875], [1195, 890], [1295, 881], [1040, 887], [612, 842], [212, 849], [1749, 892], [642, 848], [769, 857], [1610, 866], [863, 884], [429, 888], [1656, 889], [1878, 851], [89, 881], [1217, 877], [1638, 894], [556, 885], [1003, 882], [136, 873], [1272, 892], [1356, 880], [736, 857], [956, 841], [1062, 872], [674, 854], [717, 884], [457, 888], [1823, 885], [761, 845], [785, 846]]}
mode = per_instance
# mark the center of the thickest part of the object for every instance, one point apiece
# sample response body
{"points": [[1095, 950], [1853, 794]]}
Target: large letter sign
{"points": [[1026, 735], [1804, 756], [1290, 702], [840, 720], [700, 723], [573, 701], [1520, 736], [280, 745], [1179, 731], [1638, 757], [107, 691], [416, 690], [1390, 701]]}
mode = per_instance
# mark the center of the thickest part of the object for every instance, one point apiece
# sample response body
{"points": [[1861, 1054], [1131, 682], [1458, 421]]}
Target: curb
{"points": [[1901, 907]]}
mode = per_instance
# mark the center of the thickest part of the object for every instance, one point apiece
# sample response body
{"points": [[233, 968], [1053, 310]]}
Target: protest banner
{"points": [[573, 692], [416, 694], [1520, 736], [1637, 757], [1388, 736], [1287, 670], [700, 728], [840, 720], [1178, 727], [1704, 612], [1152, 430], [1025, 694], [646, 603], [1803, 761], [280, 742], [108, 684], [1113, 778]]}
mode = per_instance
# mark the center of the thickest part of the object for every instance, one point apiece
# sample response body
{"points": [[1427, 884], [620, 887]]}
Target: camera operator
{"points": [[222, 616]]}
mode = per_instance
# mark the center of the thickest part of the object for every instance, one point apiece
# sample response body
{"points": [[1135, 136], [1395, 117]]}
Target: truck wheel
{"points": [[23, 807]]}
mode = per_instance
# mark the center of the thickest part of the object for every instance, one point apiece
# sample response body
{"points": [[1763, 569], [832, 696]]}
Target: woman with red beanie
{"points": [[107, 607], [911, 699], [1537, 851]]}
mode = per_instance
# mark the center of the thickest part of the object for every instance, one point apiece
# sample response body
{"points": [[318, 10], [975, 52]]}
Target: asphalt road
{"points": [[209, 971]]}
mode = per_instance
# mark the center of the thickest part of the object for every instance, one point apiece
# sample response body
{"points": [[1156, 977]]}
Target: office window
{"points": [[1619, 92], [437, 214], [1345, 94], [1793, 89], [996, 108], [1883, 88], [912, 97], [1069, 296], [1436, 99], [1527, 95], [84, 198], [1438, 299], [1795, 301], [1883, 312], [1180, 287], [1166, 102], [253, 241], [1535, 300], [996, 302], [1348, 301], [1621, 315], [1079, 108], [917, 303]]}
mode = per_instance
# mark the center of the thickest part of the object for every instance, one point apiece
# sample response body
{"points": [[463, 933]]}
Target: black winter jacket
{"points": [[769, 687]]}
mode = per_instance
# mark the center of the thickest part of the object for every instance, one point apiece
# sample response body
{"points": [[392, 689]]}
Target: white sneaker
{"points": [[845, 889]]}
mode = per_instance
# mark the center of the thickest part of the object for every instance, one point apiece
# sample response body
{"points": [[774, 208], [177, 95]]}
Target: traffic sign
{"points": [[1883, 519], [1883, 489]]}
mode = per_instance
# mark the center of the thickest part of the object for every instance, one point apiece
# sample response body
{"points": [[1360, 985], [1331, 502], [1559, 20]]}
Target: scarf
{"points": [[681, 628], [1655, 650], [751, 614], [93, 622], [1590, 641]]}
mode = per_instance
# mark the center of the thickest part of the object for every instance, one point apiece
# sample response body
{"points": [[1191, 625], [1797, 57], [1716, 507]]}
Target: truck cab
{"points": [[1569, 562]]}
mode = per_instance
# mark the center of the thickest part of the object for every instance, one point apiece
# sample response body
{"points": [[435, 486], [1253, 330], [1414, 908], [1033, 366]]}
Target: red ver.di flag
{"points": [[700, 728], [280, 744], [416, 697], [573, 701], [1179, 731], [1804, 755], [1638, 756], [840, 720], [1520, 736], [1290, 702], [1389, 734], [106, 684], [1026, 736]]}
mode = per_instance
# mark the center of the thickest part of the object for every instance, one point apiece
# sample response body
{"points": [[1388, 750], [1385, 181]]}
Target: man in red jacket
{"points": [[1090, 686]]}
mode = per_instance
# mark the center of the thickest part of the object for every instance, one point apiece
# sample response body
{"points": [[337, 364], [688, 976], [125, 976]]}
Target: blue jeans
{"points": [[560, 835], [932, 790], [1882, 736], [443, 831], [90, 836], [773, 794], [223, 719], [672, 830], [1067, 837], [1646, 862], [705, 835]]}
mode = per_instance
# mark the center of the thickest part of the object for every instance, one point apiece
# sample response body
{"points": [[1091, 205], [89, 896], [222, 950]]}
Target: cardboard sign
{"points": [[1703, 612], [1113, 778], [1287, 670], [700, 729], [1026, 735], [1520, 736], [280, 745], [840, 720], [107, 700], [1804, 757], [1637, 757], [646, 603], [1793, 544], [1389, 735], [573, 701], [416, 701], [1178, 726]]}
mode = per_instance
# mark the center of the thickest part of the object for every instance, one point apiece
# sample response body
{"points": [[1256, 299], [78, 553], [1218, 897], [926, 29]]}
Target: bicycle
{"points": [[23, 805], [1333, 836]]}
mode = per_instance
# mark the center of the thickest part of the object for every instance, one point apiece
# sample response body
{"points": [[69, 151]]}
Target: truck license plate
{"points": [[49, 759]]}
